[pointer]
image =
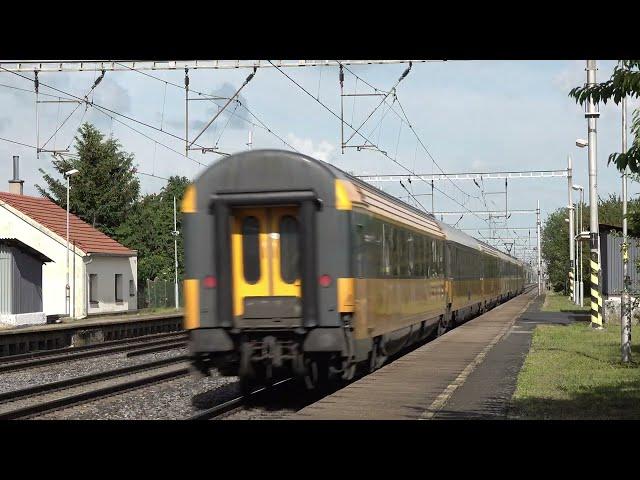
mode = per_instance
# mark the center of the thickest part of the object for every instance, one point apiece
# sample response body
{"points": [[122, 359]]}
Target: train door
{"points": [[265, 249]]}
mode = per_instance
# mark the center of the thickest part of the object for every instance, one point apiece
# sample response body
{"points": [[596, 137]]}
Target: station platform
{"points": [[90, 330], [91, 321], [418, 385]]}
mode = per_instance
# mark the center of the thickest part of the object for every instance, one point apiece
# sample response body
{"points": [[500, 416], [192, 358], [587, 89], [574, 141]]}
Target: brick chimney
{"points": [[16, 185]]}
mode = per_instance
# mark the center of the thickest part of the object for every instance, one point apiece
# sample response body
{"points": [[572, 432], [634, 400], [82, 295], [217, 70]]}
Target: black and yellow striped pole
{"points": [[596, 297], [596, 285]]}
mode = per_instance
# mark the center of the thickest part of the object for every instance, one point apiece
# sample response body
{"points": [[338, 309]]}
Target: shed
{"points": [[611, 260], [20, 282]]}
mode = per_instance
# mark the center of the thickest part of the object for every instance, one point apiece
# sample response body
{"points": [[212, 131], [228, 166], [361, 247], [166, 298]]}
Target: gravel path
{"points": [[75, 368], [171, 400]]}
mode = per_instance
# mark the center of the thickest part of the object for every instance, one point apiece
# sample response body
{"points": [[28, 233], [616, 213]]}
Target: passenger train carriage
{"points": [[295, 267]]}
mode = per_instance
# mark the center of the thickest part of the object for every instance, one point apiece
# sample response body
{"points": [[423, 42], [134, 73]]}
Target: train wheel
{"points": [[318, 373]]}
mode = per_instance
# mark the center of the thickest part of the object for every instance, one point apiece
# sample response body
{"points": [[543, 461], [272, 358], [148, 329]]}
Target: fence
{"points": [[159, 293]]}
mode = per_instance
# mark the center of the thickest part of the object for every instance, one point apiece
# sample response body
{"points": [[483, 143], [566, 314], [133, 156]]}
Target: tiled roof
{"points": [[53, 217]]}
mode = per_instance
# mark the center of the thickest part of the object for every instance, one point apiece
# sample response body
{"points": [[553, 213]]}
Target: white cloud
{"points": [[573, 75], [322, 150]]}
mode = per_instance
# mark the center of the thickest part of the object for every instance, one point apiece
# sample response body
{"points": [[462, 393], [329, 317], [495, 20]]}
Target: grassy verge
{"points": [[574, 372], [557, 302]]}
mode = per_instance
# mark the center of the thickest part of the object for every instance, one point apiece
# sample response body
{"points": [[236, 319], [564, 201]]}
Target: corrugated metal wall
{"points": [[20, 281], [612, 263], [27, 280], [6, 275]]}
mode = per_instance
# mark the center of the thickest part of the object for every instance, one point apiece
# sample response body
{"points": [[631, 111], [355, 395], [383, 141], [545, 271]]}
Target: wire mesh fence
{"points": [[159, 293]]}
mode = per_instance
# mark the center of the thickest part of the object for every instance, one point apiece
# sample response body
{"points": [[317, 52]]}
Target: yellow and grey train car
{"points": [[295, 267]]}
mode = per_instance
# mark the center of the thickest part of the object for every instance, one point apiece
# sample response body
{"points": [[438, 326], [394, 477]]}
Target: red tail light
{"points": [[210, 282], [325, 280]]}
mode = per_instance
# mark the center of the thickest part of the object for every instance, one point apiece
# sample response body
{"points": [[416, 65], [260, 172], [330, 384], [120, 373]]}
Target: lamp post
{"points": [[572, 254], [67, 297], [592, 115], [580, 289], [625, 309], [175, 234]]}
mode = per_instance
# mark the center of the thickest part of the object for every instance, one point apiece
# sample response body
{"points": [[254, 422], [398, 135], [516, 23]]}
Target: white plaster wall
{"points": [[106, 267], [53, 273]]}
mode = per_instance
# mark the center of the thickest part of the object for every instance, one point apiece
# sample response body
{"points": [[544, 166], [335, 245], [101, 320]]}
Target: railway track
{"points": [[230, 407], [159, 342], [40, 399]]}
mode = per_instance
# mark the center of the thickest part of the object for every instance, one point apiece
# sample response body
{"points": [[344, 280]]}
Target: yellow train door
{"points": [[265, 251]]}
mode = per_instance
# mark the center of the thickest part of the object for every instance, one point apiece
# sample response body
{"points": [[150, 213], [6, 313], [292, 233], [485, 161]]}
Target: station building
{"points": [[102, 272]]}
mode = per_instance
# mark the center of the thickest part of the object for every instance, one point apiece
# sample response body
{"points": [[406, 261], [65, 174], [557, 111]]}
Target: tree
{"points": [[105, 190], [555, 248], [148, 228], [624, 82]]}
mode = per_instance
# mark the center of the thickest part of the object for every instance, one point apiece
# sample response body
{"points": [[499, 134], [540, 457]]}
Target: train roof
{"points": [[222, 174], [450, 232]]}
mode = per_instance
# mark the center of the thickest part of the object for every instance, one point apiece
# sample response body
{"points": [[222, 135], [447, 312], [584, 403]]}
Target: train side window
{"points": [[373, 241], [411, 251], [401, 252], [289, 249], [251, 249]]}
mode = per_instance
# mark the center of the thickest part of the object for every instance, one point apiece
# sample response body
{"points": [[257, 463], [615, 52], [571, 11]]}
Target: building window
{"points": [[132, 288], [93, 289], [118, 288]]}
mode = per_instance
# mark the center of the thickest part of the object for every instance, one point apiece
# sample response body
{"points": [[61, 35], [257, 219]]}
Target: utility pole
{"points": [[186, 111], [625, 310], [596, 290], [432, 208], [572, 252], [539, 263], [175, 234]]}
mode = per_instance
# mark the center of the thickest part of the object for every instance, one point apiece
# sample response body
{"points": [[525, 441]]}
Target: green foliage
{"points": [[555, 248], [148, 228], [105, 190], [624, 82]]}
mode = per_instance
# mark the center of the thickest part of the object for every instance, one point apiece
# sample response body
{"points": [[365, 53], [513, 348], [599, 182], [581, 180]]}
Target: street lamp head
{"points": [[577, 187], [581, 143], [71, 172]]}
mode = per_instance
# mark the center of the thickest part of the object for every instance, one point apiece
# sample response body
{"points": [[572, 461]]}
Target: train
{"points": [[294, 267]]}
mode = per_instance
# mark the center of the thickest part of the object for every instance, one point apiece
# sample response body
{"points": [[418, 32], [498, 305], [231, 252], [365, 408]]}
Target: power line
{"points": [[18, 143], [102, 109], [148, 137], [213, 100], [93, 104], [408, 124], [365, 138]]}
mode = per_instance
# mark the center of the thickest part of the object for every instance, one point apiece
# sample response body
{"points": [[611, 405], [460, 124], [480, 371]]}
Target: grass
{"points": [[557, 302], [147, 311], [574, 372]]}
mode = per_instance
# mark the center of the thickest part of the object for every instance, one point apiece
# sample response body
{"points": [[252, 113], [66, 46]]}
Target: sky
{"points": [[472, 116]]}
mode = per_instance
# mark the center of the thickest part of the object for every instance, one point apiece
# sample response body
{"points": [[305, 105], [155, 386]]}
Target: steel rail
{"points": [[120, 341], [69, 355], [50, 387], [96, 394], [236, 403], [161, 348]]}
